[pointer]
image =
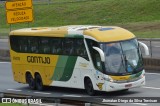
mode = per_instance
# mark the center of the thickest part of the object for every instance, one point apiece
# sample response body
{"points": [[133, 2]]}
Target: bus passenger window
{"points": [[45, 45], [80, 49], [14, 41], [68, 47], [33, 44], [23, 44], [56, 46]]}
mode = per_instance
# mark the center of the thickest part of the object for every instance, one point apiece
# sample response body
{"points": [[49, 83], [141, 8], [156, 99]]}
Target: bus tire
{"points": [[89, 87], [30, 81], [39, 83]]}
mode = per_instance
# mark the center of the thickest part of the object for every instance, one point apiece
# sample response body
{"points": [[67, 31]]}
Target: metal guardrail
{"points": [[149, 39], [153, 48]]}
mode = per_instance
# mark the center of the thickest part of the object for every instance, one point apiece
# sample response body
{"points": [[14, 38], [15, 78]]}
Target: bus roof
{"points": [[99, 33]]}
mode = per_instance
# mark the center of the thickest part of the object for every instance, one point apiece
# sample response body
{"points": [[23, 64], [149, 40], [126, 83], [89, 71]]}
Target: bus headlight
{"points": [[107, 78]]}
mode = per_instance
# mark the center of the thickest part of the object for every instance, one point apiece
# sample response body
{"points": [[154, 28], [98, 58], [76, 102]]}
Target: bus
{"points": [[94, 58]]}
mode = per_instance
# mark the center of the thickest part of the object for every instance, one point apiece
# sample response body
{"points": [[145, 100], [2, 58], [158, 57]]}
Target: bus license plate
{"points": [[128, 85]]}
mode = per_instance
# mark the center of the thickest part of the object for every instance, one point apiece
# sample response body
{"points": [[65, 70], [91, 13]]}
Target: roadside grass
{"points": [[148, 34], [126, 13], [10, 104]]}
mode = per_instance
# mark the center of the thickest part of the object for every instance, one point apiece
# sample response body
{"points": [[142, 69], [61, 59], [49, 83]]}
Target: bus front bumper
{"points": [[112, 86]]}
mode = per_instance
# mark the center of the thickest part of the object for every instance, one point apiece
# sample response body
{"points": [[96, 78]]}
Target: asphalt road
{"points": [[155, 47], [4, 44], [152, 89]]}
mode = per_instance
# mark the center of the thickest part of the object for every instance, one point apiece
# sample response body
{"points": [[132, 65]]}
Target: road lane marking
{"points": [[43, 104], [150, 87], [154, 73], [45, 93], [5, 62], [156, 46], [14, 90], [73, 95], [139, 104]]}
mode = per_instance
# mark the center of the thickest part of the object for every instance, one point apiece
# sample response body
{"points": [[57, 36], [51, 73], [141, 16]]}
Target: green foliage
{"points": [[12, 104], [95, 12]]}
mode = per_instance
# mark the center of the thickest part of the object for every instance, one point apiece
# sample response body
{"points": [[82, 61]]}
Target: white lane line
{"points": [[43, 104], [154, 73], [45, 93], [156, 46], [72, 95], [139, 104], [14, 90], [5, 62], [151, 87]]}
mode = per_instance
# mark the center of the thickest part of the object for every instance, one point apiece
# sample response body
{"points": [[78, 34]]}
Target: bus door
{"points": [[98, 70], [96, 60]]}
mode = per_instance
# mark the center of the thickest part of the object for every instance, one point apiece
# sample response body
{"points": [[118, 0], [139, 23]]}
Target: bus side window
{"points": [[81, 49], [14, 42], [32, 45], [45, 47], [23, 44], [56, 46], [97, 60], [68, 44]]}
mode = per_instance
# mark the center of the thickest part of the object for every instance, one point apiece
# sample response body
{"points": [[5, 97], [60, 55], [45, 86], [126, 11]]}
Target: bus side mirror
{"points": [[146, 50], [101, 53]]}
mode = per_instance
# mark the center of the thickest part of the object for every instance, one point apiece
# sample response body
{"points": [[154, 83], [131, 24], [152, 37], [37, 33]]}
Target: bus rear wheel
{"points": [[89, 87], [39, 83], [30, 81]]}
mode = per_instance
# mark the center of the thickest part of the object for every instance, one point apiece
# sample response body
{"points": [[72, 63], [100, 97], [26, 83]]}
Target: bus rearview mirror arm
{"points": [[101, 53], [146, 50]]}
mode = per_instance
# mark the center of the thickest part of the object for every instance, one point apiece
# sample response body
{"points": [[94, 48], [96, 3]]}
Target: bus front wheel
{"points": [[89, 87], [39, 83], [30, 81]]}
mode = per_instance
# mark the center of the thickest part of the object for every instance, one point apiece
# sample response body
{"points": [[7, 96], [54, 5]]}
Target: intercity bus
{"points": [[94, 58]]}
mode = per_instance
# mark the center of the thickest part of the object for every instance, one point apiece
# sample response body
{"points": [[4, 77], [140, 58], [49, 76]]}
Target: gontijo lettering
{"points": [[38, 59]]}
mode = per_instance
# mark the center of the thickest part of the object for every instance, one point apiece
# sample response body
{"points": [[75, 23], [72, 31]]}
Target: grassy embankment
{"points": [[142, 17]]}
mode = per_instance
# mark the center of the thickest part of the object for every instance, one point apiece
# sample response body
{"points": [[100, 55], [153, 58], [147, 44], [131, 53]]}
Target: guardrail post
{"points": [[49, 2], [28, 97], [1, 95], [57, 101], [151, 47], [87, 104]]}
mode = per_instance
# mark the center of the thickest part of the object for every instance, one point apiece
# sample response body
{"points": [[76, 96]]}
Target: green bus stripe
{"points": [[135, 75], [59, 69], [69, 68]]}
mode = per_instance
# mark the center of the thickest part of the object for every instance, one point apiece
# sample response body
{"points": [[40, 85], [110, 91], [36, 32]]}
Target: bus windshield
{"points": [[122, 58]]}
